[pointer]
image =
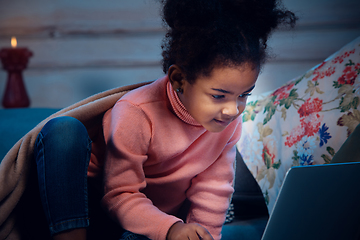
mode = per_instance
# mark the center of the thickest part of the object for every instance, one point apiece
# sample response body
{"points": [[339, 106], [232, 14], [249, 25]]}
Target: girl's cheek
{"points": [[242, 106]]}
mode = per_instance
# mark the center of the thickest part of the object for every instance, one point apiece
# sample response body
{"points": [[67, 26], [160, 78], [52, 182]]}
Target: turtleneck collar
{"points": [[179, 108]]}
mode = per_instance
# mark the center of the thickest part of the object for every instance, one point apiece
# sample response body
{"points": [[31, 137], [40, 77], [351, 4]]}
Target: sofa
{"points": [[303, 122]]}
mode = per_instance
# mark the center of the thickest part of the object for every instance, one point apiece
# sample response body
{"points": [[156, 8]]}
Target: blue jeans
{"points": [[132, 236], [62, 152]]}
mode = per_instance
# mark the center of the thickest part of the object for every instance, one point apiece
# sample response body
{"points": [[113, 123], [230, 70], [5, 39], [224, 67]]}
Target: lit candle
{"points": [[14, 61], [13, 42]]}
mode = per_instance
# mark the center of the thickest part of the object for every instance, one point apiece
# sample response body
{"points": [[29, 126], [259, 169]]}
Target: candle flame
{"points": [[13, 42]]}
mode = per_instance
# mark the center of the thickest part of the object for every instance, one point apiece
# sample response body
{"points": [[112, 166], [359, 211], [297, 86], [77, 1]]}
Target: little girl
{"points": [[171, 141]]}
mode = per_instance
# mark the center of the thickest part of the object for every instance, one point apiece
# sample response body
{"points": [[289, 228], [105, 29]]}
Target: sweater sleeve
{"points": [[127, 134], [211, 190]]}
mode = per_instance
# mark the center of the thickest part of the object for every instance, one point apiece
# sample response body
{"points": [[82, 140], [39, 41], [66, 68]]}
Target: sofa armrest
{"points": [[16, 122]]}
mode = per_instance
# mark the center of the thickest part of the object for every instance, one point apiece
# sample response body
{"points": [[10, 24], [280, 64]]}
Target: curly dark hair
{"points": [[203, 34]]}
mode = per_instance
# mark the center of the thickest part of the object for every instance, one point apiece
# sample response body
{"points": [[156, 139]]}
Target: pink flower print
{"points": [[295, 136], [282, 92], [349, 74], [330, 71], [340, 59], [325, 73], [310, 107], [311, 124], [319, 67]]}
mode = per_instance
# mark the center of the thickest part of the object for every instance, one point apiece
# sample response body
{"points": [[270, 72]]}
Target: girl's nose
{"points": [[231, 109]]}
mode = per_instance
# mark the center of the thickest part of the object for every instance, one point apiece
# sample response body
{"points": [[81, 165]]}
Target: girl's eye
{"points": [[218, 96], [245, 95]]}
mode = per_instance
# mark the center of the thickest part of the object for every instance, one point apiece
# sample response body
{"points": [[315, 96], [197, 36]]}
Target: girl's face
{"points": [[216, 100]]}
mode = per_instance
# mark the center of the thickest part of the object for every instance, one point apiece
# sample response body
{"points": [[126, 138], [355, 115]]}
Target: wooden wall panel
{"points": [[129, 50], [81, 48], [73, 17], [59, 88]]}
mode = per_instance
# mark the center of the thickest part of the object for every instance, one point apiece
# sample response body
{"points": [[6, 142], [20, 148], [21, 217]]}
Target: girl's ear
{"points": [[176, 77]]}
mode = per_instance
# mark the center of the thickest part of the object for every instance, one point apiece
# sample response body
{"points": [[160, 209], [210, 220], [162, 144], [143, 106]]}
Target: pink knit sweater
{"points": [[157, 156]]}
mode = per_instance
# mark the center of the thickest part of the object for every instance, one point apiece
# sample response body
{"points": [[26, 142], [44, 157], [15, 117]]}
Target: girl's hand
{"points": [[185, 231]]}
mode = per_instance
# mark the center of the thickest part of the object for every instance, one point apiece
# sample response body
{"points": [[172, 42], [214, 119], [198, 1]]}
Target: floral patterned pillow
{"points": [[303, 122]]}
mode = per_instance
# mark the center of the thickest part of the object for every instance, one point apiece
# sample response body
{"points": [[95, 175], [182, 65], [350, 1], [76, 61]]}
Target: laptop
{"points": [[317, 202]]}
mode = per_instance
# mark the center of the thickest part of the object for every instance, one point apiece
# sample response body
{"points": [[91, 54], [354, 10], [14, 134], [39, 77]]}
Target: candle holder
{"points": [[14, 61]]}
